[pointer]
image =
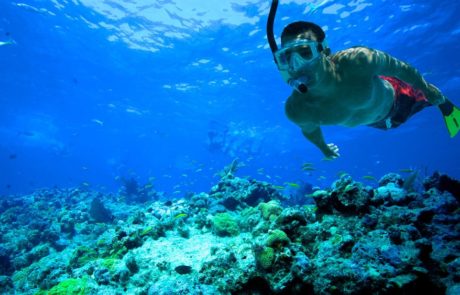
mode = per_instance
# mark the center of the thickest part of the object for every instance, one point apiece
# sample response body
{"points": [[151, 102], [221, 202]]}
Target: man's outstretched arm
{"points": [[315, 136]]}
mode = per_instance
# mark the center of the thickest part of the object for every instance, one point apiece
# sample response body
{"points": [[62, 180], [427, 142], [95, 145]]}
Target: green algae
{"points": [[68, 287], [265, 257], [81, 256]]}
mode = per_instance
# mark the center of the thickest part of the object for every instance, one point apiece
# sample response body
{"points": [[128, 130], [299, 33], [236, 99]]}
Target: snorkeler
{"points": [[355, 86]]}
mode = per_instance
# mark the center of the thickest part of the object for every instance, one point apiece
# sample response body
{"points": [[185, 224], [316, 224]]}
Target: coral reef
{"points": [[243, 237]]}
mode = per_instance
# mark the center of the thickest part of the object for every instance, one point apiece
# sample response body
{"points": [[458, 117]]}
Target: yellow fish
{"points": [[369, 177], [180, 215], [292, 184]]}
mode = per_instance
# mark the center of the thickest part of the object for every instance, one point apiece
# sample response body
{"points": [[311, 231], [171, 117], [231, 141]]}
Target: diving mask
{"points": [[297, 54], [293, 58]]}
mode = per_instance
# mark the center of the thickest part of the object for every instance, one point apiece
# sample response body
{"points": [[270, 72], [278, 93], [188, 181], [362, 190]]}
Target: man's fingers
{"points": [[333, 147]]}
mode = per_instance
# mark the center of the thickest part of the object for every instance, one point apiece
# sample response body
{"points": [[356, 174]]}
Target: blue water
{"points": [[95, 91]]}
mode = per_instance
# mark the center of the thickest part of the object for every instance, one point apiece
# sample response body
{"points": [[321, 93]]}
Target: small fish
{"points": [[133, 111], [369, 177], [26, 133], [410, 181], [279, 187], [12, 156], [292, 184], [198, 170], [148, 186], [322, 177], [9, 42], [260, 171], [180, 215], [307, 164], [97, 121], [341, 173], [308, 168], [85, 184], [183, 269], [408, 170], [84, 168]]}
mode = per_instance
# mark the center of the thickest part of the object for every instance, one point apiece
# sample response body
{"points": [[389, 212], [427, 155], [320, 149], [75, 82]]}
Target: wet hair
{"points": [[296, 28], [300, 27]]}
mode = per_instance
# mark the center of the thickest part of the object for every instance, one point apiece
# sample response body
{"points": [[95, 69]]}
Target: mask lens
{"points": [[305, 52], [282, 59]]}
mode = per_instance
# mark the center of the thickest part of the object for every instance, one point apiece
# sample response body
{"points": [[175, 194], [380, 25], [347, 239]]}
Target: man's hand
{"points": [[332, 152]]}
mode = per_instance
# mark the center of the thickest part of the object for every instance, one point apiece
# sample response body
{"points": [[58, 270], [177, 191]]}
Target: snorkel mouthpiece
{"points": [[299, 84]]}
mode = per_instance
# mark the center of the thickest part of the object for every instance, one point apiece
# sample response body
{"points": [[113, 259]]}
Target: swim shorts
{"points": [[407, 102]]}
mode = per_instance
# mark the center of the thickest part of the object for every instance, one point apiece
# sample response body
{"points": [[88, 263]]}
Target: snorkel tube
{"points": [[299, 84], [270, 22]]}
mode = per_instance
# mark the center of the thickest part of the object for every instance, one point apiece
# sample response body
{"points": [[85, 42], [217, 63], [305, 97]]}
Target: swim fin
{"points": [[451, 115]]}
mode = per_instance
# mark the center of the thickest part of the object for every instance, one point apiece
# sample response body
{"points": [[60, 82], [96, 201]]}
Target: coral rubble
{"points": [[243, 237]]}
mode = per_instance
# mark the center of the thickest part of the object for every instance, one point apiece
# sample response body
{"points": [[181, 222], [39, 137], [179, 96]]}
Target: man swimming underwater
{"points": [[356, 86]]}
